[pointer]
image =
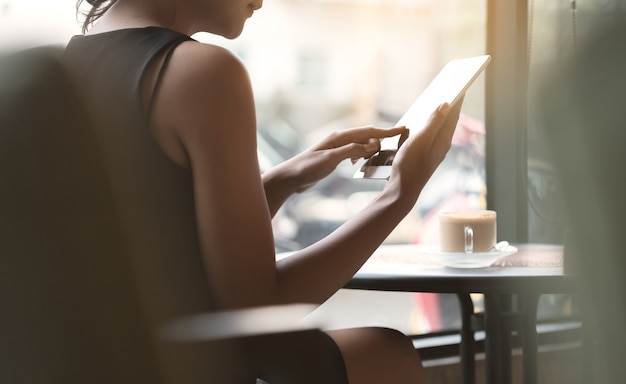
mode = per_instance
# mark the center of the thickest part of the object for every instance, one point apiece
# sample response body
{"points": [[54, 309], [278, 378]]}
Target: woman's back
{"points": [[154, 195]]}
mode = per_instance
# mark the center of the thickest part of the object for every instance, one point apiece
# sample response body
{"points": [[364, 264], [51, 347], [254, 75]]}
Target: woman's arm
{"points": [[206, 99], [332, 261]]}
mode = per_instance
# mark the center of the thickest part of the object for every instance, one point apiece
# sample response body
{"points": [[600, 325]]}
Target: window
{"points": [[312, 73], [323, 65]]}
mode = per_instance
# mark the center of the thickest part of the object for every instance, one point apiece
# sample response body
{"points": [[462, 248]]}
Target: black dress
{"points": [[154, 194]]}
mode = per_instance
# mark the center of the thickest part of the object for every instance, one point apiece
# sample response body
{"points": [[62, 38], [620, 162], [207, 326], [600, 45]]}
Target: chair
{"points": [[70, 313]]}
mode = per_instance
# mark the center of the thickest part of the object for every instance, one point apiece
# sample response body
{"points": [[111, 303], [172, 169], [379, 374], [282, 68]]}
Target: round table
{"points": [[535, 269]]}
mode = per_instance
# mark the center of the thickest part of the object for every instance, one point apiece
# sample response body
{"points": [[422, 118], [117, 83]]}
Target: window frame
{"points": [[506, 117]]}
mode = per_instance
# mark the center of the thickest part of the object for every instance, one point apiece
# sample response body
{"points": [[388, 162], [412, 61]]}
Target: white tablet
{"points": [[449, 84]]}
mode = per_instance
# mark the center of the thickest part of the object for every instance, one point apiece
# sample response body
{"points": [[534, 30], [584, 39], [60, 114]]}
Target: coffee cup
{"points": [[467, 231]]}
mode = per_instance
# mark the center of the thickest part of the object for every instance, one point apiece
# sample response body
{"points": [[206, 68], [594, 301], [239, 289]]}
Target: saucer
{"points": [[468, 260]]}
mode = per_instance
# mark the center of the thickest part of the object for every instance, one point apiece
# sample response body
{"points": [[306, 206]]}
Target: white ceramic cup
{"points": [[467, 231]]}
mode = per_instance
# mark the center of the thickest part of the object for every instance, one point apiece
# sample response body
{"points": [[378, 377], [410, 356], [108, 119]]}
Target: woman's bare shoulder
{"points": [[202, 82], [198, 62], [204, 99]]}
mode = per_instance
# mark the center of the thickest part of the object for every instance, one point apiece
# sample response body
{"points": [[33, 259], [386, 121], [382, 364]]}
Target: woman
{"points": [[176, 122]]}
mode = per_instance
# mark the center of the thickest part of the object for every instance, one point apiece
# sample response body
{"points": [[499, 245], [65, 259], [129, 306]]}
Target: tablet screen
{"points": [[449, 84]]}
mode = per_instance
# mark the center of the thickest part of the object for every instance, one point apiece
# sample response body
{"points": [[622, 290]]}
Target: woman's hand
{"points": [[304, 170], [420, 155], [317, 162]]}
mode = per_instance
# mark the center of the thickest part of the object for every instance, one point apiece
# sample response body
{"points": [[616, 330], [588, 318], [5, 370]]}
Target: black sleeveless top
{"points": [[154, 195]]}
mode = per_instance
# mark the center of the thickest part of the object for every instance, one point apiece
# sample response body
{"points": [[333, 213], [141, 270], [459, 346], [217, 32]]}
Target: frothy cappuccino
{"points": [[467, 231]]}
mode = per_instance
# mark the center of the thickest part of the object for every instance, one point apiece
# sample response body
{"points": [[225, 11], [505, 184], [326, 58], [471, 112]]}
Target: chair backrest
{"points": [[67, 309]]}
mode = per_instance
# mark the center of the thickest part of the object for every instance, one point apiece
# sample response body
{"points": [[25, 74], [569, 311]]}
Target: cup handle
{"points": [[469, 239]]}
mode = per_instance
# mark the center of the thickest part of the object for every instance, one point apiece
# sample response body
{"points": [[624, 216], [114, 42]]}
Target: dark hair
{"points": [[97, 9]]}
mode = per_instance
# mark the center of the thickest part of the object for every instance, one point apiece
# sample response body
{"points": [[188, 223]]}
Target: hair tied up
{"points": [[97, 9]]}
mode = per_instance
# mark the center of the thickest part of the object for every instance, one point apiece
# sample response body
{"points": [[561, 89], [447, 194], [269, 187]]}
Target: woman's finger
{"points": [[354, 151], [364, 134]]}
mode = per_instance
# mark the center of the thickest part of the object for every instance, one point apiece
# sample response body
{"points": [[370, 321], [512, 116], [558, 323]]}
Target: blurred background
{"points": [[323, 65]]}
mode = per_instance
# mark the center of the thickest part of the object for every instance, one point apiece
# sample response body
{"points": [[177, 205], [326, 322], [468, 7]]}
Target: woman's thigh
{"points": [[378, 355], [306, 357]]}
